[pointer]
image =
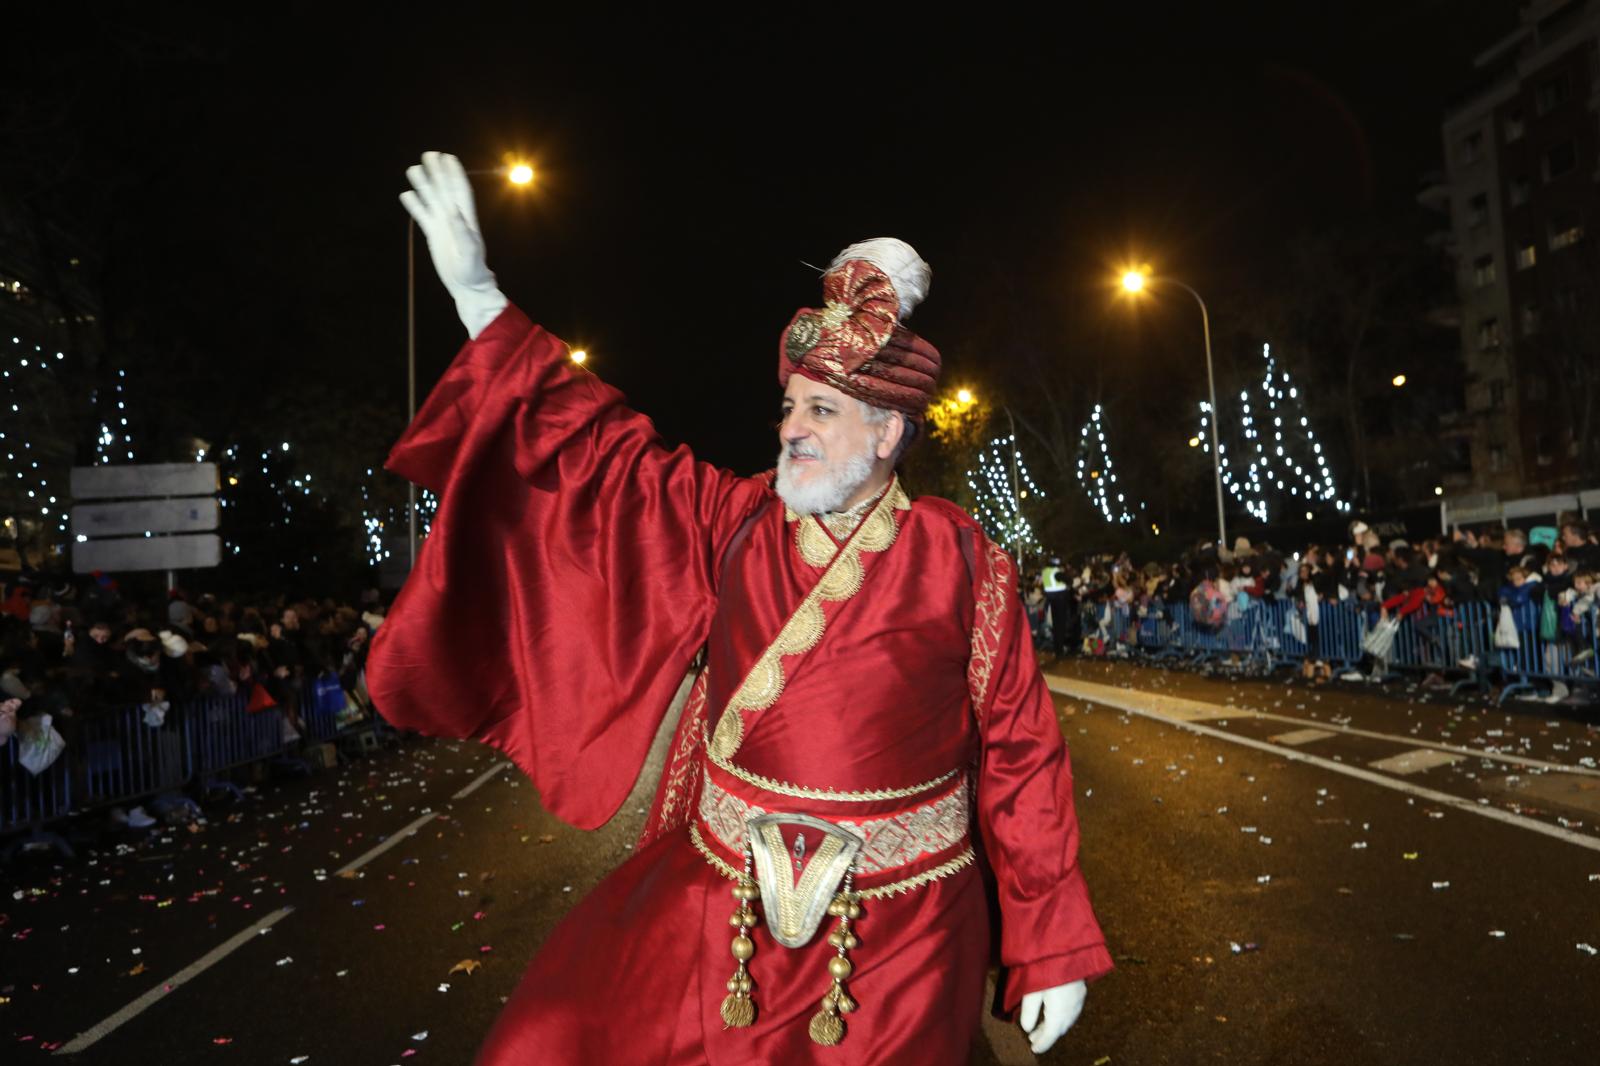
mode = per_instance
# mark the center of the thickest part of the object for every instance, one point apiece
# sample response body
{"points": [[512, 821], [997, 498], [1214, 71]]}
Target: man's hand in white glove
{"points": [[440, 199], [1060, 1005]]}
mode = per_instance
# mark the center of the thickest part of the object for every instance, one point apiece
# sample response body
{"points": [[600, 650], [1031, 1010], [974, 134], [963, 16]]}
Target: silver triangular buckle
{"points": [[800, 863]]}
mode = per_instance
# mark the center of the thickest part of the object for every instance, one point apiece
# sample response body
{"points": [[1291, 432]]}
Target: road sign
{"points": [[195, 514], [171, 504], [143, 479], [181, 551]]}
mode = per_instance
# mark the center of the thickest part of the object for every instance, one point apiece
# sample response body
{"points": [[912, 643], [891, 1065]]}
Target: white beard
{"points": [[827, 487]]}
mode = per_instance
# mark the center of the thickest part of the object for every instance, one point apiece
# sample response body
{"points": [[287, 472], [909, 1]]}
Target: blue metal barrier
{"points": [[1439, 640], [122, 756], [29, 801], [118, 755]]}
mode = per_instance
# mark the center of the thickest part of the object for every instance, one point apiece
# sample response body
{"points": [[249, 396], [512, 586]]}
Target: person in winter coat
{"points": [[1523, 592]]}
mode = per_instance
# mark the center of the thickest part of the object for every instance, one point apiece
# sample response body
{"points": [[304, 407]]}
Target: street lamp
{"points": [[519, 174], [1136, 281], [579, 356]]}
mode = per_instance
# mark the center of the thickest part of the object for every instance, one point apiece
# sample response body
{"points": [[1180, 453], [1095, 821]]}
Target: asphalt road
{"points": [[1264, 906]]}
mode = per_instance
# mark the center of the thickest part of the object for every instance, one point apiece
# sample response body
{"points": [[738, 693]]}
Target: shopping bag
{"points": [[156, 713], [1505, 630], [260, 699], [1297, 628], [287, 733], [328, 695], [1379, 640], [41, 744], [1549, 628]]}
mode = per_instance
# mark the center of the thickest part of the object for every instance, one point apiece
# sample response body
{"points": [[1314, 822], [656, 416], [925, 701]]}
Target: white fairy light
{"points": [[1094, 487], [1271, 467]]}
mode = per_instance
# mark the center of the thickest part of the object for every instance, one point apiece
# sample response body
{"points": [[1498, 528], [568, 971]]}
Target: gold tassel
{"points": [[827, 1027], [738, 1011], [738, 1008]]}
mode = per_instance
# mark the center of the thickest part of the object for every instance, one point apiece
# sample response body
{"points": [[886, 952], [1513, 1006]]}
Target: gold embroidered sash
{"points": [[841, 580]]}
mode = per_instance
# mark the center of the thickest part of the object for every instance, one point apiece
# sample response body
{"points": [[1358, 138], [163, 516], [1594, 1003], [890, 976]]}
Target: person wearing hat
{"points": [[868, 669]]}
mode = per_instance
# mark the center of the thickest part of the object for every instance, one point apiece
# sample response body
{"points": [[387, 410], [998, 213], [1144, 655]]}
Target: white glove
{"points": [[440, 199], [1062, 1005]]}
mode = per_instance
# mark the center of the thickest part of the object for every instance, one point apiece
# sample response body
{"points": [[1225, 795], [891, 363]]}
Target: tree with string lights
{"points": [[1002, 487], [1097, 473], [1272, 461], [37, 404]]}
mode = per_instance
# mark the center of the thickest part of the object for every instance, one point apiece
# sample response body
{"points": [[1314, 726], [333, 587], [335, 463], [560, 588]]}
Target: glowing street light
{"points": [[964, 396], [520, 174], [1135, 281], [579, 356], [1398, 381]]}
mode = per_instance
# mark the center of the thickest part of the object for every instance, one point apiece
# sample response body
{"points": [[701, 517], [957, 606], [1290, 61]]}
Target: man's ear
{"points": [[893, 430]]}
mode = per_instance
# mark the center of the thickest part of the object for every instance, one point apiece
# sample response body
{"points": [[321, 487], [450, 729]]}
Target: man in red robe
{"points": [[869, 731]]}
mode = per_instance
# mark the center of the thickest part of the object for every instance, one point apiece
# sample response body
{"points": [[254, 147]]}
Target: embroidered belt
{"points": [[934, 826], [806, 864]]}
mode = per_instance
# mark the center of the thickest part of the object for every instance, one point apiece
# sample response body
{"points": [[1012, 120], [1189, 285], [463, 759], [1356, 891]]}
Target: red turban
{"points": [[856, 343]]}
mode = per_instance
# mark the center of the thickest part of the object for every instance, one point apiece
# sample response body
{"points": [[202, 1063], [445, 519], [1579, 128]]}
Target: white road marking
{"points": [[1301, 736], [1133, 702], [90, 1037], [1194, 710], [482, 780], [1414, 762], [417, 823]]}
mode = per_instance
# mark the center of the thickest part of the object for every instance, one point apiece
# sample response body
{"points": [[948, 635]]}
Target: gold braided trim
{"points": [[764, 683], [784, 788], [893, 888]]}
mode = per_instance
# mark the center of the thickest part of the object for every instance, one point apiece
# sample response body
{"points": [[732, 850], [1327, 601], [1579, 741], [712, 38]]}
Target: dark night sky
{"points": [[687, 166]]}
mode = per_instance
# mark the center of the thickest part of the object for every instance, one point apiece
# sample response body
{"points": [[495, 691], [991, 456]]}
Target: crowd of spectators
{"points": [[1548, 576], [76, 648]]}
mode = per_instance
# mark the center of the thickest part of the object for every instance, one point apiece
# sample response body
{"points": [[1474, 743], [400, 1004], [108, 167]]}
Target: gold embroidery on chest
{"points": [[764, 683]]}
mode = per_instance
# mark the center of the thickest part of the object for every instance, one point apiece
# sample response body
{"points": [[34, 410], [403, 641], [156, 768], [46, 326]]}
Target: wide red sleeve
{"points": [[1048, 932], [568, 576]]}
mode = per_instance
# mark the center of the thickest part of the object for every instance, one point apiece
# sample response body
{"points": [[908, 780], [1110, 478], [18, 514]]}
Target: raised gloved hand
{"points": [[1060, 1006], [440, 200]]}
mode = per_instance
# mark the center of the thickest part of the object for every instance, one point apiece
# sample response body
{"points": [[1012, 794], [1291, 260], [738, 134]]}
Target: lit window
{"points": [[1527, 255], [1565, 229], [1483, 271]]}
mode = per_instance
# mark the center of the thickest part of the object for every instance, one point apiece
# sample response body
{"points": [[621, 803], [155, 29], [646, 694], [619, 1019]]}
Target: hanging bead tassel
{"points": [[827, 1027], [738, 1009]]}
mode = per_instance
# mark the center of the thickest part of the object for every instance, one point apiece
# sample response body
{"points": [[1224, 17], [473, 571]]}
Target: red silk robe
{"points": [[573, 569]]}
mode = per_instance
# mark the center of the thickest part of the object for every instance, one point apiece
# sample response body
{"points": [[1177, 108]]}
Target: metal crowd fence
{"points": [[126, 753], [1471, 644]]}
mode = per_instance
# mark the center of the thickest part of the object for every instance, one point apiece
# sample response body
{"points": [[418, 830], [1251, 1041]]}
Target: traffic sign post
{"points": [[149, 516]]}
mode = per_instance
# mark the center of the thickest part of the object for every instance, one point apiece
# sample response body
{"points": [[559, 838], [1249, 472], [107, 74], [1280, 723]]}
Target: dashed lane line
{"points": [[1178, 709], [1135, 702], [90, 1037]]}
